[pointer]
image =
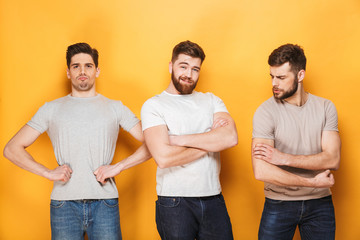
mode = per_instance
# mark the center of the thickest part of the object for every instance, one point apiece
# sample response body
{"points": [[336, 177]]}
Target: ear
{"points": [[301, 76], [170, 67], [68, 73], [97, 72]]}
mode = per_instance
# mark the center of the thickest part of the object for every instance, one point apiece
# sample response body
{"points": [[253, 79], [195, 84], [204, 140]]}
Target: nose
{"points": [[82, 70], [275, 82], [188, 73]]}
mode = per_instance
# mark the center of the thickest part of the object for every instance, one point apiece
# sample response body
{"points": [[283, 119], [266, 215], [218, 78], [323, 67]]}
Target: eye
{"points": [[89, 66], [196, 70]]}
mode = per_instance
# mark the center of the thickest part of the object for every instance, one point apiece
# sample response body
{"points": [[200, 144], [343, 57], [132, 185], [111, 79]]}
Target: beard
{"points": [[286, 94], [182, 88]]}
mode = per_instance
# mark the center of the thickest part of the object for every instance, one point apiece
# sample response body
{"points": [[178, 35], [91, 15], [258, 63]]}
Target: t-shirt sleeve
{"points": [[331, 123], [150, 115], [127, 118], [263, 124], [219, 105], [40, 121]]}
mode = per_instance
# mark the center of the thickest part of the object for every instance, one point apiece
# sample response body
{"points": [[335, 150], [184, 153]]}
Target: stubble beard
{"points": [[288, 93]]}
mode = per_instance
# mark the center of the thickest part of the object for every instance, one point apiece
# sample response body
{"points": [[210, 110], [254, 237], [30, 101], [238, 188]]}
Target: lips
{"points": [[82, 78], [186, 80]]}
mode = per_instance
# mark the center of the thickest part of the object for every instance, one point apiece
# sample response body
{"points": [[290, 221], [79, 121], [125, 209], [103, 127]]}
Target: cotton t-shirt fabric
{"points": [[83, 132], [186, 114], [295, 130]]}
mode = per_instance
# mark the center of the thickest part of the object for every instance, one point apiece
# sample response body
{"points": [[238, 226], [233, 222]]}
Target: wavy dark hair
{"points": [[81, 48], [291, 53]]}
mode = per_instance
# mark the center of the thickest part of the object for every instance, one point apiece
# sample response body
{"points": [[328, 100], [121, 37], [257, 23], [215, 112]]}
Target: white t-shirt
{"points": [[186, 114], [83, 132], [298, 131]]}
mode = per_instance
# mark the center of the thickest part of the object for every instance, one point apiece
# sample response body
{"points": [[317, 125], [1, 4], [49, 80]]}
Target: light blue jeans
{"points": [[99, 219]]}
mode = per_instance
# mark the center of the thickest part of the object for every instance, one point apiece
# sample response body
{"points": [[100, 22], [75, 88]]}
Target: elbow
{"points": [[234, 141], [336, 164], [162, 162], [257, 174], [7, 151]]}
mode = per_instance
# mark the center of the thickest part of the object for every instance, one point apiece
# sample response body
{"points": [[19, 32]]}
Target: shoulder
{"points": [[269, 105], [321, 101]]}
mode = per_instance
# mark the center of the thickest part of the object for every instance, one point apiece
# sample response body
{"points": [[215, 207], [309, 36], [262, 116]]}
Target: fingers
{"points": [[100, 175], [220, 122]]}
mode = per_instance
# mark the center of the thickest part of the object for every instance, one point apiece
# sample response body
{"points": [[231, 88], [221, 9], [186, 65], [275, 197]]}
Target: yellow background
{"points": [[135, 39]]}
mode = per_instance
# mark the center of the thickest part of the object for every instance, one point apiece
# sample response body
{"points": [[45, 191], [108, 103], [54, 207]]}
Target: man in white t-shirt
{"points": [[185, 130], [83, 128], [295, 145]]}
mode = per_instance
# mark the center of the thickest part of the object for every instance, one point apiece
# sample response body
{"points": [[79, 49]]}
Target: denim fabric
{"points": [[189, 218], [315, 218], [99, 219]]}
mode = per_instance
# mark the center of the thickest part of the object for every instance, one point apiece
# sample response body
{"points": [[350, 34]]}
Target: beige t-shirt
{"points": [[295, 130]]}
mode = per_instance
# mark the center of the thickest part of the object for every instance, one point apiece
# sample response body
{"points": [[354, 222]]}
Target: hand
{"points": [[61, 173], [220, 122], [105, 172], [269, 154], [324, 179]]}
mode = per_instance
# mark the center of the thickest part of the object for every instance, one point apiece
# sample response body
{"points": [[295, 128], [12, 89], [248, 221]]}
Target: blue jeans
{"points": [[315, 218], [70, 220], [189, 218]]}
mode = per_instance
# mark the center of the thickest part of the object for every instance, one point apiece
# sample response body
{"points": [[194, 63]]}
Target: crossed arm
{"points": [[266, 159], [169, 151]]}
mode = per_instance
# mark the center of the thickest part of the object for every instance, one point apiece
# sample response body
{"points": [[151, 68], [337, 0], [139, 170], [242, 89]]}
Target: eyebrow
{"points": [[79, 64], [284, 75], [189, 65]]}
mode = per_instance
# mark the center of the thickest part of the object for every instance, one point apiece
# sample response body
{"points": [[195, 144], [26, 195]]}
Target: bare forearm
{"points": [[214, 141], [141, 155], [21, 158], [177, 156], [320, 161], [269, 173]]}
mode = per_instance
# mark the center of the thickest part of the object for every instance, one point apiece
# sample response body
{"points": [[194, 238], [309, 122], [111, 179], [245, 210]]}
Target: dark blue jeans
{"points": [[189, 218], [70, 220], [315, 218]]}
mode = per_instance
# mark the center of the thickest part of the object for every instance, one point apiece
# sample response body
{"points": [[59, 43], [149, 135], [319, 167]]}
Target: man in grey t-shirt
{"points": [[83, 128], [295, 145]]}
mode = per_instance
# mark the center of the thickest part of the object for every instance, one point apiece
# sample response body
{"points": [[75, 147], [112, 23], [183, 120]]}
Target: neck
{"points": [[83, 94], [299, 98]]}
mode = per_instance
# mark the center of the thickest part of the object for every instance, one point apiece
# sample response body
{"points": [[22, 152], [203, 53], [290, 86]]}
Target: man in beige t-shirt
{"points": [[295, 145]]}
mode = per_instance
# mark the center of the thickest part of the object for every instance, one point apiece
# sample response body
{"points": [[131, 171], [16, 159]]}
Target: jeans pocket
{"points": [[56, 204], [113, 202], [168, 201]]}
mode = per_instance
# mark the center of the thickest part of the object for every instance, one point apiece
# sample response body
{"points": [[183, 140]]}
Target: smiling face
{"points": [[82, 72], [185, 72]]}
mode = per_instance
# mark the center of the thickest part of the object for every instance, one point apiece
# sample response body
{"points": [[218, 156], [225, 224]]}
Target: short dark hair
{"points": [[188, 48], [291, 53], [81, 48]]}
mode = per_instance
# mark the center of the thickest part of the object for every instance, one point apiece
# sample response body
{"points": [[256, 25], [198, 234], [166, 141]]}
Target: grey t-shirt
{"points": [[186, 114], [83, 132], [295, 130]]}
